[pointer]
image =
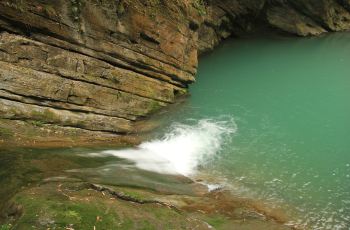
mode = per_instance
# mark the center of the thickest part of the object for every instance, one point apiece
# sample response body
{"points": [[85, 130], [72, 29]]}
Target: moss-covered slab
{"points": [[78, 206]]}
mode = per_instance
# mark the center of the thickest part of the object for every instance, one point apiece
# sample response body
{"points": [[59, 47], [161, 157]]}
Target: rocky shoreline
{"points": [[50, 193], [98, 68], [47, 206]]}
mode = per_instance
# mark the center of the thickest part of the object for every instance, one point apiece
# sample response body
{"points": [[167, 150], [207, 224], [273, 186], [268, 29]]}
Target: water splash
{"points": [[182, 149]]}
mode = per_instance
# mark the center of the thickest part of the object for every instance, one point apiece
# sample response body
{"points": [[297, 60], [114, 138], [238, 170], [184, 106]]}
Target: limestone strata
{"points": [[103, 66], [94, 65]]}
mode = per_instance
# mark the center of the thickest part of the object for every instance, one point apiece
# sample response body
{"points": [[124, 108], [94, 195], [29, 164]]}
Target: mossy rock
{"points": [[62, 205]]}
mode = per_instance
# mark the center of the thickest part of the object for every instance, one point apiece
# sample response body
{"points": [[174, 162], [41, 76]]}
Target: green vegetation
{"points": [[75, 9], [6, 133], [134, 195], [72, 205], [56, 211], [200, 6], [216, 221], [45, 115], [37, 123], [120, 9], [17, 4], [154, 2], [154, 106], [5, 227]]}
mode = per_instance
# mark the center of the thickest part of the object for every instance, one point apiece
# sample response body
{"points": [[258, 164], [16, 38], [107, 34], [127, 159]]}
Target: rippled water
{"points": [[289, 101]]}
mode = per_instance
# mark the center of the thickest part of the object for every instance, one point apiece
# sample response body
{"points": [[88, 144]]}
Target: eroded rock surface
{"points": [[102, 66]]}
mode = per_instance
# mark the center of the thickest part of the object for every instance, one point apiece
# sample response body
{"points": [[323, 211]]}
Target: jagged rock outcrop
{"points": [[102, 66]]}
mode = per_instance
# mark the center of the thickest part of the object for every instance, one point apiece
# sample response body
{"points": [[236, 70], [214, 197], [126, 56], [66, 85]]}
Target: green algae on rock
{"points": [[59, 192]]}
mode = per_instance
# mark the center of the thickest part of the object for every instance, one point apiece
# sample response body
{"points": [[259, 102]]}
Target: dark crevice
{"points": [[194, 26], [145, 37]]}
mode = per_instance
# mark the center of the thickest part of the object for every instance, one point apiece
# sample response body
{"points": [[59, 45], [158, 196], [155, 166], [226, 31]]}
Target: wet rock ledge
{"points": [[81, 71]]}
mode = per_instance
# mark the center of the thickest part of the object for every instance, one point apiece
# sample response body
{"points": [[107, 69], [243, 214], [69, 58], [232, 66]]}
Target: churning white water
{"points": [[182, 149]]}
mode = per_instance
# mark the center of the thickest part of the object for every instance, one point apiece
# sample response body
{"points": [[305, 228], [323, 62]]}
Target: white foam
{"points": [[181, 150], [213, 187]]}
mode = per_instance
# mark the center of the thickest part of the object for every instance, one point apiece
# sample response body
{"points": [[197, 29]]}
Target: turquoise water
{"points": [[289, 101], [267, 119]]}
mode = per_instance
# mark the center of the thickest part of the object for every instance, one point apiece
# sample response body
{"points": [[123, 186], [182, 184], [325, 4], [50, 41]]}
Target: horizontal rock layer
{"points": [[102, 66]]}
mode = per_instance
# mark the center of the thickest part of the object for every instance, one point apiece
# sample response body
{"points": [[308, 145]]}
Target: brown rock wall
{"points": [[101, 65]]}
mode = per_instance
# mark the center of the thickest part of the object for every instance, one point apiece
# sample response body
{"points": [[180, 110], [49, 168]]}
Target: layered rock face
{"points": [[98, 67], [93, 65]]}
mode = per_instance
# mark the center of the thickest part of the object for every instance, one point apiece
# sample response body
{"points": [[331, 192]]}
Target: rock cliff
{"points": [[87, 70]]}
